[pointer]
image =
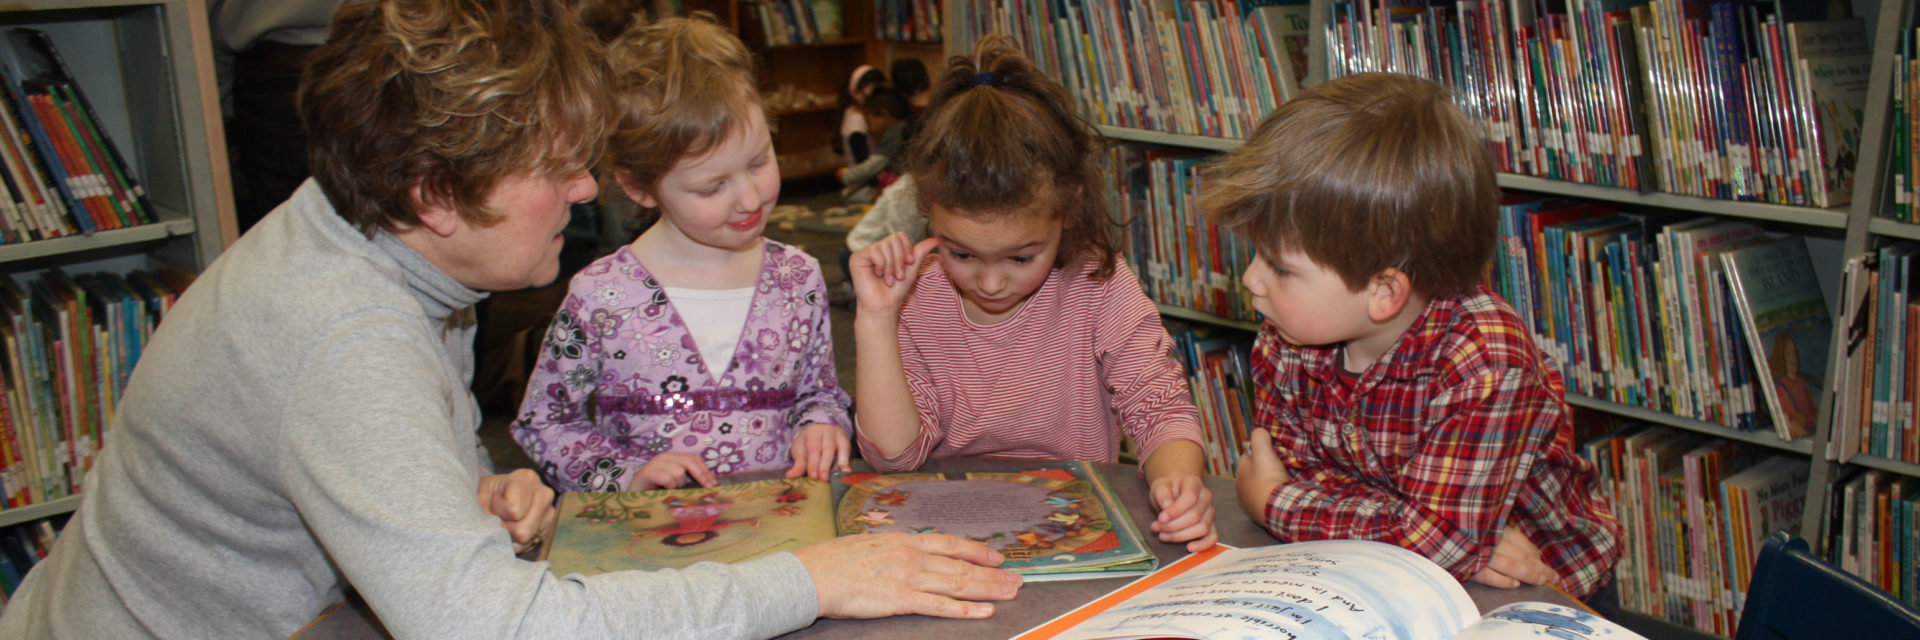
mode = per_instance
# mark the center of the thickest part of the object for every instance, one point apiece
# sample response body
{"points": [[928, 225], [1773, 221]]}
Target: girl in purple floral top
{"points": [[702, 349]]}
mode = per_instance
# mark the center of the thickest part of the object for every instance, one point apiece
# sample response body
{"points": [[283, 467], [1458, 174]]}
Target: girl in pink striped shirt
{"points": [[1026, 337]]}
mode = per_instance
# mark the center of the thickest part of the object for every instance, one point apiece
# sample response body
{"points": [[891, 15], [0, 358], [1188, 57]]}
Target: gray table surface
{"points": [[1038, 602]]}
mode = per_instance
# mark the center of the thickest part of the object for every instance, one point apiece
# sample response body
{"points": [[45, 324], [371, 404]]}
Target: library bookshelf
{"points": [[146, 68], [1835, 234], [801, 52]]}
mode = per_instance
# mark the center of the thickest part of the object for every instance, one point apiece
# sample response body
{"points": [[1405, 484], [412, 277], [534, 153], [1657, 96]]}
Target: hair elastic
{"points": [[986, 78]]}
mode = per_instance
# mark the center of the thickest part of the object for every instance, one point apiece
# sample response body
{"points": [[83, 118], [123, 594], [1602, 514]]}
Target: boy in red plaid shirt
{"points": [[1406, 402]]}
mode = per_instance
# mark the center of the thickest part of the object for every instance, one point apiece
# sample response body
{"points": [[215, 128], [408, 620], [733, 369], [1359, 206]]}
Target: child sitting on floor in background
{"points": [[855, 144], [702, 349], [886, 113], [1406, 402], [1027, 336]]}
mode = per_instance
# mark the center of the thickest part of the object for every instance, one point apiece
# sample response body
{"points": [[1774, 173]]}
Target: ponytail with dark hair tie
{"points": [[1021, 149]]}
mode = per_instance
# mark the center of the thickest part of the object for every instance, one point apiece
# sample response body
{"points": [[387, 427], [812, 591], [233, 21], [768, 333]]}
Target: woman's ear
{"points": [[640, 196], [435, 216], [1388, 293]]}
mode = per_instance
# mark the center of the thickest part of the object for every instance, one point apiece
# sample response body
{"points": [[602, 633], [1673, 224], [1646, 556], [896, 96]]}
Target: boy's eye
{"points": [[959, 255], [710, 190], [1022, 259]]}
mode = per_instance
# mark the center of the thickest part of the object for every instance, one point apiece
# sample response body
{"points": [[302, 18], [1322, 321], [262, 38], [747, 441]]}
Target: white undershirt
{"points": [[714, 317]]}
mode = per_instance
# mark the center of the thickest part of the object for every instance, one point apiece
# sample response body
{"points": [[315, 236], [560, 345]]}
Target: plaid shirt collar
{"points": [[1407, 360]]}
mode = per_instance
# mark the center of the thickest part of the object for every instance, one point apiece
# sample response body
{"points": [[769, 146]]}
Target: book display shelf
{"points": [[1162, 76], [78, 302], [806, 50]]}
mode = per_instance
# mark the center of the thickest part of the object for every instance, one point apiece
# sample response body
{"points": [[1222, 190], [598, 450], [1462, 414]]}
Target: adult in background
{"points": [[301, 422], [259, 47]]}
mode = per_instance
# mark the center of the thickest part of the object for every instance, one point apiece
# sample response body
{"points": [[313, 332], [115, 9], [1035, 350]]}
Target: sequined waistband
{"points": [[692, 401]]}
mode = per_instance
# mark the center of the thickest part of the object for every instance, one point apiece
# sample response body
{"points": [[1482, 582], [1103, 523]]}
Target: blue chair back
{"points": [[1797, 596]]}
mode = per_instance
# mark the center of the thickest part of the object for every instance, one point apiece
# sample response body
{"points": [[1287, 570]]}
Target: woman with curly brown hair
{"points": [[301, 423]]}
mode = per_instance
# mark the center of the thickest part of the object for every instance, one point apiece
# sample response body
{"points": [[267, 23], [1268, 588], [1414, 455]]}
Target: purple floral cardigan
{"points": [[620, 380]]}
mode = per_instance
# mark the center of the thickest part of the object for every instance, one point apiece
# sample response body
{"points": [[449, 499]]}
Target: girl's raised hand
{"points": [[818, 450], [884, 272], [670, 470]]}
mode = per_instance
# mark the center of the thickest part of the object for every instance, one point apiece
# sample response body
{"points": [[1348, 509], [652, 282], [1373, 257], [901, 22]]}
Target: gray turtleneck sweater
{"points": [[301, 422]]}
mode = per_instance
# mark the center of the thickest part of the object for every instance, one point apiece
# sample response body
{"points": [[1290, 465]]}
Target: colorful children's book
{"points": [[1788, 326], [1052, 521], [1312, 590]]}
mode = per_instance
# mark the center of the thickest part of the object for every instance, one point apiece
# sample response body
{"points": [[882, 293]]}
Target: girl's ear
{"points": [[435, 216], [1388, 293], [640, 196]]}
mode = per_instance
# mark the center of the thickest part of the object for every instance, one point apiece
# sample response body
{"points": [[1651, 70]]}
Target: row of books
{"points": [[908, 20], [1182, 259], [1217, 361], [60, 174], [1201, 67], [21, 547], [1905, 127], [70, 343], [1880, 366], [1724, 99], [1696, 316], [1871, 531], [784, 22], [1694, 511]]}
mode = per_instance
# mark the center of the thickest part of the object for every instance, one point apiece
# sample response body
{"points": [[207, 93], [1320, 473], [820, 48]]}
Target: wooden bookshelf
{"points": [[1895, 466], [1763, 438], [1894, 229], [171, 224], [1208, 318], [32, 512], [146, 66], [824, 108], [1169, 139]]}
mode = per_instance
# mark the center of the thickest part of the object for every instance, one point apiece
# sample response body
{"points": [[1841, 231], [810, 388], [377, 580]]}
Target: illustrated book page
{"points": [[1330, 589], [673, 528], [1051, 521]]}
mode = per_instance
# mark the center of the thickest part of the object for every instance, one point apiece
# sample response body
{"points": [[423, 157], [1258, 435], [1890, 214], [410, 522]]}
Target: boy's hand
{"points": [[1186, 511], [523, 503], [1515, 561], [1260, 473], [670, 470], [884, 272], [818, 450]]}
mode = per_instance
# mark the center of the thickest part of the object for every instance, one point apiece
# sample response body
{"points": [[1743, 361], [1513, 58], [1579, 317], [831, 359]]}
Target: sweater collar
{"points": [[438, 293]]}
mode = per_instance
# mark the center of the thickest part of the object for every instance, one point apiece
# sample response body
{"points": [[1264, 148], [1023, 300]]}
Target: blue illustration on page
{"points": [[1542, 620]]}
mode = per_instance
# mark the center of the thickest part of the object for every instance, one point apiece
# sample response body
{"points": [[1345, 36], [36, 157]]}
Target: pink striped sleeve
{"points": [[1149, 390], [920, 384]]}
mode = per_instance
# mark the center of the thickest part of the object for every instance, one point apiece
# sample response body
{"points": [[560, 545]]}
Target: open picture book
{"points": [[1329, 589], [1052, 521]]}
